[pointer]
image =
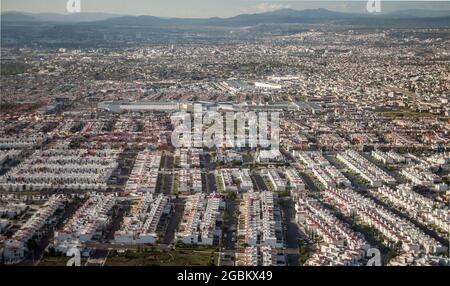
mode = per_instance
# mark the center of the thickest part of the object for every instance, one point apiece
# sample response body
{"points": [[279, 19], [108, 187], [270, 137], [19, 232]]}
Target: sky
{"points": [[209, 8]]}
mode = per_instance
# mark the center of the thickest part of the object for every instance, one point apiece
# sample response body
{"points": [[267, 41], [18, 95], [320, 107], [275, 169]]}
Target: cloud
{"points": [[265, 7]]}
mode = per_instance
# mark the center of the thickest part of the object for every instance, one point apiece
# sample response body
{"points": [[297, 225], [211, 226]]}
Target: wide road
{"points": [[258, 181], [174, 221]]}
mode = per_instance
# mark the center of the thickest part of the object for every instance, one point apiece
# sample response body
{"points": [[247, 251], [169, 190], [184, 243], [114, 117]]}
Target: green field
{"points": [[178, 257], [57, 261], [13, 68], [405, 112]]}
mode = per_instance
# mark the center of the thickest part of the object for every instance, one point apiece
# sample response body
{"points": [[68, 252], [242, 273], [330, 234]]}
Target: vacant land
{"points": [[178, 257], [57, 261]]}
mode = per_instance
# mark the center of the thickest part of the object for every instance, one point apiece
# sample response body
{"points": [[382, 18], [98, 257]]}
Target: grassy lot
{"points": [[11, 107], [57, 261], [405, 112], [178, 257], [13, 68]]}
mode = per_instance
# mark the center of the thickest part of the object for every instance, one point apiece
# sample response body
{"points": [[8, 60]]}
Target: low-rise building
{"points": [[420, 175], [226, 180], [394, 228], [12, 209], [144, 175], [265, 156], [16, 246], [228, 156], [294, 179], [243, 177], [190, 181], [140, 226], [88, 221], [199, 221], [390, 157], [257, 256], [328, 175], [9, 155], [426, 210], [260, 220], [276, 180], [366, 169], [78, 169], [339, 244]]}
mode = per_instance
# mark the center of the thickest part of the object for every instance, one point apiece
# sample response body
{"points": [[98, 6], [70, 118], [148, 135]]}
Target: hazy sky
{"points": [[208, 8]]}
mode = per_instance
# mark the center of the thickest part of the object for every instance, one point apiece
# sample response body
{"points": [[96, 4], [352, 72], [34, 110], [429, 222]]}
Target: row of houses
{"points": [[34, 228], [200, 217], [260, 220], [431, 161], [366, 169], [144, 175], [87, 222], [233, 180], [426, 210], [439, 159], [327, 174], [394, 228], [310, 158], [21, 142], [279, 184], [390, 157], [264, 255], [11, 209], [140, 226], [190, 180], [78, 169], [188, 158], [295, 181], [413, 259], [339, 244], [420, 175]]}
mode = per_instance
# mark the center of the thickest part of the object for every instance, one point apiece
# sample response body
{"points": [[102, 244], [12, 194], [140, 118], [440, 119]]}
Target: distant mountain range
{"points": [[417, 13], [100, 29], [277, 16], [54, 17]]}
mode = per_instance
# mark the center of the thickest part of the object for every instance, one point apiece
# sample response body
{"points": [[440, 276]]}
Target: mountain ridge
{"points": [[276, 16]]}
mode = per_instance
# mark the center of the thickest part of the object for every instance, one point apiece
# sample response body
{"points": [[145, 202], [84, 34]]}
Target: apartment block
{"points": [[276, 180], [294, 179]]}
